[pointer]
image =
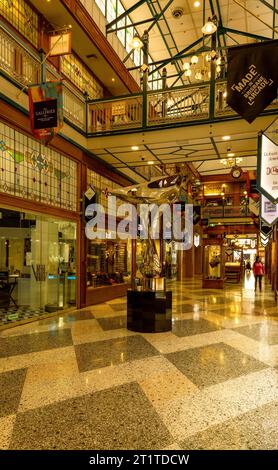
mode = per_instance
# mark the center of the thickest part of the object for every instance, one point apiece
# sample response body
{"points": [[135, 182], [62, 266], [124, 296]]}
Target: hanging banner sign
{"points": [[267, 169], [269, 211], [254, 206], [60, 44], [46, 110], [265, 230], [252, 78]]}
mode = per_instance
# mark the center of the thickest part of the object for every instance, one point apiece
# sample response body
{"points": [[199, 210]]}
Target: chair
{"points": [[6, 290]]}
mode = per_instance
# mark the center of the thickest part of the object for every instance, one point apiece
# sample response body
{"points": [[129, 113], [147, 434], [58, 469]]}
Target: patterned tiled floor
{"points": [[83, 381]]}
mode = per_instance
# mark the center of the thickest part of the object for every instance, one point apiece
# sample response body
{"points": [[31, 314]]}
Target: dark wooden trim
{"points": [[96, 295], [80, 14], [36, 206]]}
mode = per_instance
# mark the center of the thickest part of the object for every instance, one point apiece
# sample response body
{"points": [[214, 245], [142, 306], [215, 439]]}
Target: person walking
{"points": [[258, 270]]}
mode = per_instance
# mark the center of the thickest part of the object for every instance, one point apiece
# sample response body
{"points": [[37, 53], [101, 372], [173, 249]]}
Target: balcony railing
{"points": [[191, 103], [22, 65], [225, 212]]}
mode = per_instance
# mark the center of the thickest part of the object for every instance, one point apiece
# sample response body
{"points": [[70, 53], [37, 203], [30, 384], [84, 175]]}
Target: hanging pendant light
{"points": [[209, 27], [136, 42]]}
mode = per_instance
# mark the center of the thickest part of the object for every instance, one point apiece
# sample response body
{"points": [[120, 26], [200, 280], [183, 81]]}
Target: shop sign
{"points": [[267, 168], [269, 211], [45, 114], [90, 193], [252, 78], [60, 43], [46, 110]]}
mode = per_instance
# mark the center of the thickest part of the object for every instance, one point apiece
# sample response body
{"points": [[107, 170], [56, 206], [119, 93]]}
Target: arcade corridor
{"points": [[83, 381]]}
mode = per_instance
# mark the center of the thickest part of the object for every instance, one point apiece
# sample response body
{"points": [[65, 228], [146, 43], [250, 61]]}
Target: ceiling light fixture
{"points": [[230, 154], [150, 162], [197, 4], [226, 137], [136, 42], [210, 26], [194, 59], [186, 66], [134, 147]]}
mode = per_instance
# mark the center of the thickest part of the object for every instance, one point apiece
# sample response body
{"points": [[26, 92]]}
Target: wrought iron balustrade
{"points": [[187, 103], [215, 212], [22, 65], [115, 114]]}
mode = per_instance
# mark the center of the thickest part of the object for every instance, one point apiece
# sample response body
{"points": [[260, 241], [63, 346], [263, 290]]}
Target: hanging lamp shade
{"points": [[209, 27]]}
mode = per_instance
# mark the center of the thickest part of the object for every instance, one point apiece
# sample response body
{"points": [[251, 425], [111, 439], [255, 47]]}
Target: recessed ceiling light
{"points": [[196, 4], [150, 162], [113, 79], [134, 147], [230, 154], [226, 137]]}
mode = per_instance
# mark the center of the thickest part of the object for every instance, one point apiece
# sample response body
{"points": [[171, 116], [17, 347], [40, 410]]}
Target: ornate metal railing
{"points": [[215, 212], [115, 114], [180, 104], [22, 66]]}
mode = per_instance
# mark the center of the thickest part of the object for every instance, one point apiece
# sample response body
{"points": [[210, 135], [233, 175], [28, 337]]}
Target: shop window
{"points": [[108, 262], [37, 265], [22, 17], [32, 171], [78, 74]]}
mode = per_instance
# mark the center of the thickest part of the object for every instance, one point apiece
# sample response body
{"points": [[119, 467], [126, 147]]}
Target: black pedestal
{"points": [[149, 311]]}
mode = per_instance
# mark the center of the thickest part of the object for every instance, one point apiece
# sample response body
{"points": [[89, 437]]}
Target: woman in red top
{"points": [[258, 270]]}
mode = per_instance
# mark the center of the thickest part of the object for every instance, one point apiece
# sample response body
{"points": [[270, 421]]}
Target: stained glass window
{"points": [[32, 171], [22, 17]]}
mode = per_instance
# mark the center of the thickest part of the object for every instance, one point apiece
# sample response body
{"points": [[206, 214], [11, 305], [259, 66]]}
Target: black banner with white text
{"points": [[252, 78]]}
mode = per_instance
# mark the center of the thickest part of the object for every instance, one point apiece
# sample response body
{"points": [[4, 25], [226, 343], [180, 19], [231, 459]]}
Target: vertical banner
{"points": [[46, 110], [252, 78]]}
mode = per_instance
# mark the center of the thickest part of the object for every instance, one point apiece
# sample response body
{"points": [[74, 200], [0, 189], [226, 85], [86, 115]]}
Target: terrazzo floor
{"points": [[83, 381]]}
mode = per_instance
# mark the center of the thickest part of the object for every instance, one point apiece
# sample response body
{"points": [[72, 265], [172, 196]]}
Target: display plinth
{"points": [[149, 311]]}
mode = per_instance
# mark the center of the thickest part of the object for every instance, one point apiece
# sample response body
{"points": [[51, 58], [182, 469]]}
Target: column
{"points": [[185, 260]]}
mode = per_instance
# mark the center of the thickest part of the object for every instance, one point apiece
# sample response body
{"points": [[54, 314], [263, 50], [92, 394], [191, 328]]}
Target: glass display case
{"points": [[213, 265]]}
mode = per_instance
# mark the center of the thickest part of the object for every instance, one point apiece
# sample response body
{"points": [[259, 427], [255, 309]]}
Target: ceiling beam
{"points": [[160, 14], [273, 8], [124, 14], [138, 23], [178, 55], [244, 33]]}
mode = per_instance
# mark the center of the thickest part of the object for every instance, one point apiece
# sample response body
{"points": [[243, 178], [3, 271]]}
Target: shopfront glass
{"points": [[37, 265]]}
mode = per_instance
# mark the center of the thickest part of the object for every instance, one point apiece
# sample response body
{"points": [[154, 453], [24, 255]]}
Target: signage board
{"points": [[269, 211], [267, 168]]}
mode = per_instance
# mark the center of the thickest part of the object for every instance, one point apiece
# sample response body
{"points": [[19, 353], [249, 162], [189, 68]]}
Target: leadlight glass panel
{"points": [[22, 17], [32, 171]]}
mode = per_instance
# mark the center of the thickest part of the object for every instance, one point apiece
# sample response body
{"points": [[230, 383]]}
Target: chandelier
{"points": [[198, 67], [230, 161]]}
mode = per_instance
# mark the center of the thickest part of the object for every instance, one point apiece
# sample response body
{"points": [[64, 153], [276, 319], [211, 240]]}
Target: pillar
{"points": [[185, 260]]}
